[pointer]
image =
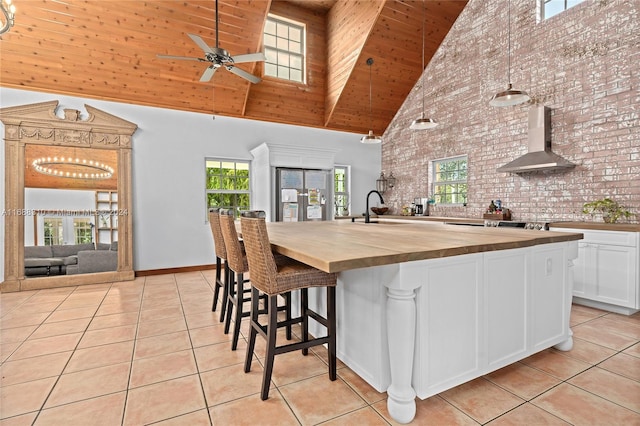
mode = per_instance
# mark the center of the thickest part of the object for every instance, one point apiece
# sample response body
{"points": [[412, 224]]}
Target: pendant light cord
{"points": [[370, 62], [509, 45], [422, 69]]}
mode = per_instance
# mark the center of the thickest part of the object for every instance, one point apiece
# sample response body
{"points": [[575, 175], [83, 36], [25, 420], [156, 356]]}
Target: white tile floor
{"points": [[151, 351]]}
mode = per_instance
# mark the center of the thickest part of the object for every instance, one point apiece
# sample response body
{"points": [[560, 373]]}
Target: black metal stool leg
{"points": [[331, 330], [272, 331], [253, 332], [225, 292], [216, 292], [231, 300], [239, 299], [304, 307]]}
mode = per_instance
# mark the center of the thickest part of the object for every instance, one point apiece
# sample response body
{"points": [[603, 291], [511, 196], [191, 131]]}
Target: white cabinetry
{"points": [[475, 313], [607, 270]]}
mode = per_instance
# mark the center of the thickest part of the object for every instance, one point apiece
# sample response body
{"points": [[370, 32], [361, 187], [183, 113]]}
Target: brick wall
{"points": [[584, 64]]}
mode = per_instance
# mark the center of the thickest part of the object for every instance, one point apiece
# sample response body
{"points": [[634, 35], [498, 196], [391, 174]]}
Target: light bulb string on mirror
{"points": [[56, 167]]}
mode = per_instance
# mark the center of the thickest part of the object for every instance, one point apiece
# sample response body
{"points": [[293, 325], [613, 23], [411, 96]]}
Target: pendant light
{"points": [[423, 123], [510, 96], [370, 138]]}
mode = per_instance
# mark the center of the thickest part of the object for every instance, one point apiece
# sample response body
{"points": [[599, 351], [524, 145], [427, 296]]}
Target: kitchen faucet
{"points": [[366, 214]]}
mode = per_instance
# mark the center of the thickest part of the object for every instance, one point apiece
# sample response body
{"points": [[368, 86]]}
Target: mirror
{"points": [[71, 197], [68, 188]]}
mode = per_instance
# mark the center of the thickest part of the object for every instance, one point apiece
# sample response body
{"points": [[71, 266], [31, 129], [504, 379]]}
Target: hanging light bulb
{"points": [[423, 123], [370, 138], [510, 96]]}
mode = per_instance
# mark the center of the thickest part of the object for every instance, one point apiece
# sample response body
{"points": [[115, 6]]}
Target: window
{"points": [[67, 230], [227, 185], [53, 232], [341, 190], [82, 230], [551, 8], [284, 47], [450, 180]]}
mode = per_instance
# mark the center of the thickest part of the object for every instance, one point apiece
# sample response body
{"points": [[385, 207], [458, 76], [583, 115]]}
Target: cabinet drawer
{"points": [[616, 238]]}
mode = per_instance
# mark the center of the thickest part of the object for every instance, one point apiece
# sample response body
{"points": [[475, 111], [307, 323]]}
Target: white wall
{"points": [[169, 147]]}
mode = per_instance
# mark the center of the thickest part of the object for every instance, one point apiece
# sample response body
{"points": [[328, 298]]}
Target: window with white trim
{"points": [[284, 47], [449, 180], [549, 8], [53, 231], [66, 230], [82, 230], [341, 190], [227, 184]]}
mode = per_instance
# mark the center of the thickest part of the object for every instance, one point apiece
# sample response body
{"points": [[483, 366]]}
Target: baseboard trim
{"points": [[174, 270]]}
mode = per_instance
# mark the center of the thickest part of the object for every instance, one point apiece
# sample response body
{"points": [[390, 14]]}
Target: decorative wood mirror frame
{"points": [[38, 124]]}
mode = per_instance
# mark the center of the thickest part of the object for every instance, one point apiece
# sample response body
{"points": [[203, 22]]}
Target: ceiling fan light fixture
{"points": [[370, 138], [218, 57]]}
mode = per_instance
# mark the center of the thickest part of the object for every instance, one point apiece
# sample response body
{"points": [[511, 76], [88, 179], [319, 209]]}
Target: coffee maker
{"points": [[421, 206]]}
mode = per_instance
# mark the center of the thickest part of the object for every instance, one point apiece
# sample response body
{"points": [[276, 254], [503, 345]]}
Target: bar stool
{"points": [[237, 263], [238, 266], [269, 278], [221, 260]]}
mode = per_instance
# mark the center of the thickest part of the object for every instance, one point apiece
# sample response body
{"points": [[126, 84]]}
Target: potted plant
{"points": [[610, 210]]}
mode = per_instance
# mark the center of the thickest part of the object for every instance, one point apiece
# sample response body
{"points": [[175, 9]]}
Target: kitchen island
{"points": [[425, 307]]}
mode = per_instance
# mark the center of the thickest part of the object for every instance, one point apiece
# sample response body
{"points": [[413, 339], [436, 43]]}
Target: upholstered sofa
{"points": [[70, 259]]}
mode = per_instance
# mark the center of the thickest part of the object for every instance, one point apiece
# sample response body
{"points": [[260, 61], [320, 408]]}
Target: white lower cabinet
{"points": [[607, 270], [474, 313]]}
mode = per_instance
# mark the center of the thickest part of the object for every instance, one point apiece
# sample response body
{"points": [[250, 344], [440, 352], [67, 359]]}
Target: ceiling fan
{"points": [[218, 57]]}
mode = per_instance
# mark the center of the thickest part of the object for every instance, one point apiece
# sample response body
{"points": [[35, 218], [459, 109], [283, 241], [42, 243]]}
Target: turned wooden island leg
{"points": [[401, 330]]}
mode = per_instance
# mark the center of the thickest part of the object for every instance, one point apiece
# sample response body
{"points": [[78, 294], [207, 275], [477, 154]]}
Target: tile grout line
{"points": [[39, 411], [193, 349], [133, 352]]}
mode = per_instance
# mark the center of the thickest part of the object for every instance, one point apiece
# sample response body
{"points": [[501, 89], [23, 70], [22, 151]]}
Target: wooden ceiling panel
{"points": [[107, 50]]}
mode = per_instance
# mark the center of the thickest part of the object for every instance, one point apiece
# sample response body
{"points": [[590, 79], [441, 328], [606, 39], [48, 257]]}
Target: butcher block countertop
{"points": [[340, 245]]}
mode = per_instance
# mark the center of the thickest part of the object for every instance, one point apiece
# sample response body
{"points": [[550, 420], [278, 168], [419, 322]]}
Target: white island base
{"points": [[419, 328]]}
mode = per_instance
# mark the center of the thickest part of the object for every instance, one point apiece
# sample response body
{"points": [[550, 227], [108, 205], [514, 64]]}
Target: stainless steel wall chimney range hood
{"points": [[540, 156]]}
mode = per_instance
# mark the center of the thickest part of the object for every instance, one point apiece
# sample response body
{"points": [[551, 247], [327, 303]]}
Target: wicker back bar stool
{"points": [[238, 266], [272, 279], [237, 294], [221, 261]]}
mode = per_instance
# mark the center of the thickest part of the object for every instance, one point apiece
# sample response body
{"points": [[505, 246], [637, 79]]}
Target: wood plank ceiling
{"points": [[107, 50]]}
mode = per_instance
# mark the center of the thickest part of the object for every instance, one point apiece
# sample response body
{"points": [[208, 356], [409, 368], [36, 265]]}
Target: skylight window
{"points": [[284, 47]]}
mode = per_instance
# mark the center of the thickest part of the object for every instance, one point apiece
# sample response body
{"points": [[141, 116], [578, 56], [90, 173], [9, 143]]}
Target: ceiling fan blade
{"points": [[242, 73], [250, 57], [181, 58], [200, 42], [208, 74]]}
